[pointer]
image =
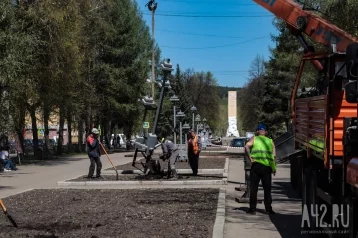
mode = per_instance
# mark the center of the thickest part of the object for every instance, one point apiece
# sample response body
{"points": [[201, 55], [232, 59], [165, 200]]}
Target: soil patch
{"points": [[204, 163], [112, 213], [140, 177]]}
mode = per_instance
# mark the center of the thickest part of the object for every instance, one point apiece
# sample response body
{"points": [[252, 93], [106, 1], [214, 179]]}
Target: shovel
{"points": [[109, 160], [7, 214]]}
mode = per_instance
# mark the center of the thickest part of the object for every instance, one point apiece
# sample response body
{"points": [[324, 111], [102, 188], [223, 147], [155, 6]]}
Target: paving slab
{"points": [[287, 221]]}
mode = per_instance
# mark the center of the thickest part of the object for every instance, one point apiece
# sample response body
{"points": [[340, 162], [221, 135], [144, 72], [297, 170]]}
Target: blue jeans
{"points": [[9, 165]]}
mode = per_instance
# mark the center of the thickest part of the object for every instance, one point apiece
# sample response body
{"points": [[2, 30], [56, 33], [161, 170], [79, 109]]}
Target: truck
{"points": [[324, 158]]}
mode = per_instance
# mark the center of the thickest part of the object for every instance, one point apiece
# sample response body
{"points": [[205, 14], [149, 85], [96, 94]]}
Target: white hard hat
{"points": [[95, 131]]}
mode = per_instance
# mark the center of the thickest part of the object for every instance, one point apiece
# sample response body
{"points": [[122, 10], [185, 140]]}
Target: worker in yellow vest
{"points": [[261, 151]]}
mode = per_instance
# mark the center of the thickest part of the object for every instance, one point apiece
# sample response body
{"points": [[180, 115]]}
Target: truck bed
{"points": [[313, 121]]}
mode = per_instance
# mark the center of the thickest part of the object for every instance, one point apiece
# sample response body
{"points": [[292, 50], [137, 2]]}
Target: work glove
{"points": [[163, 157]]}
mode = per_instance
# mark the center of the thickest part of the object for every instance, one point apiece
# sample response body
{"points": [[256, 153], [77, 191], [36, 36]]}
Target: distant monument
{"points": [[232, 115]]}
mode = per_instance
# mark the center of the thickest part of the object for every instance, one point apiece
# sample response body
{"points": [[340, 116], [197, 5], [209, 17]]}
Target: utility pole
{"points": [[152, 6]]}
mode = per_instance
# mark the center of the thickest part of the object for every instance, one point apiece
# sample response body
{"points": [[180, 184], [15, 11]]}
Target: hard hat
{"points": [[95, 131], [261, 126]]}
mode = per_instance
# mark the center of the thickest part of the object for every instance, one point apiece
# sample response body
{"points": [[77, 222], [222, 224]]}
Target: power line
{"points": [[213, 47], [209, 16], [216, 3], [196, 34], [231, 71], [214, 13]]}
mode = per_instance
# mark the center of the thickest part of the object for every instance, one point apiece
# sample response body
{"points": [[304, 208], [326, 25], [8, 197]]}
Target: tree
{"points": [[250, 99]]}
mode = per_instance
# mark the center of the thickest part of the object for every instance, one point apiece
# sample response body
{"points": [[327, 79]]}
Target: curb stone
{"points": [[101, 183], [219, 225], [180, 171], [226, 168], [23, 191]]}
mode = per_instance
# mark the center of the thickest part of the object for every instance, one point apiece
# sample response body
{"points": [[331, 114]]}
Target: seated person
{"points": [[8, 164]]}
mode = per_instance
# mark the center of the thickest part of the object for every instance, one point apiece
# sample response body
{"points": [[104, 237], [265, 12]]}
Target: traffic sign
{"points": [[146, 125]]}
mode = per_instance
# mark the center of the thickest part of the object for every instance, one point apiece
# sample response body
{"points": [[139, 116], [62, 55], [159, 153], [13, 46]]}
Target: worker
{"points": [[261, 152], [94, 153], [194, 148], [170, 153]]}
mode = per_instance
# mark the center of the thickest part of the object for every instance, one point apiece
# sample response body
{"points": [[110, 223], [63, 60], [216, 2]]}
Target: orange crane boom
{"points": [[303, 21]]}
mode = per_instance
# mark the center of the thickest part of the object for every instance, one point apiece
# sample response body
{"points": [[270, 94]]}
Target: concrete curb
{"points": [[219, 225], [179, 171], [224, 152], [101, 183], [23, 191], [226, 168]]}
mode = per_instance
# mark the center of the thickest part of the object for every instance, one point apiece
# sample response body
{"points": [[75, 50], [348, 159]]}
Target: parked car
{"points": [[238, 142], [216, 141]]}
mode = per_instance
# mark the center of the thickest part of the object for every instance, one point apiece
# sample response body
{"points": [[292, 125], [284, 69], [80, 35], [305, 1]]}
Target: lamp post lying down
{"points": [[147, 143]]}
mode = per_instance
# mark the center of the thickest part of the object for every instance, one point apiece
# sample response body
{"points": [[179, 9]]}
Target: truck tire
{"points": [[304, 193], [299, 175], [309, 195], [312, 197], [353, 215]]}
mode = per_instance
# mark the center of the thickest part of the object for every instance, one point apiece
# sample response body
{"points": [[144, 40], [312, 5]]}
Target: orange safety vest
{"points": [[195, 146]]}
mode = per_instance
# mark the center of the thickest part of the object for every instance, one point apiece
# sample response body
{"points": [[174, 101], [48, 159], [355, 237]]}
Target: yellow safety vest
{"points": [[262, 151]]}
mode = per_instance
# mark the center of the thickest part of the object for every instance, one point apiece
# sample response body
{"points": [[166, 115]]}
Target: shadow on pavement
{"points": [[288, 225], [293, 229], [284, 188], [6, 187], [51, 162], [234, 182]]}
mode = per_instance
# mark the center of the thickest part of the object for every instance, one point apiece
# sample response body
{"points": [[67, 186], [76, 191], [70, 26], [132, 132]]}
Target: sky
{"points": [[199, 35]]}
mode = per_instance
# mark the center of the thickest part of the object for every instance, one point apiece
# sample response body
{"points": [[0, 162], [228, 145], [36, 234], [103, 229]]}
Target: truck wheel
{"points": [[304, 194], [312, 198], [353, 216]]}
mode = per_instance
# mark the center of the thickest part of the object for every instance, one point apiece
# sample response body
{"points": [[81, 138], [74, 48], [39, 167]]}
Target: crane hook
{"points": [[152, 5]]}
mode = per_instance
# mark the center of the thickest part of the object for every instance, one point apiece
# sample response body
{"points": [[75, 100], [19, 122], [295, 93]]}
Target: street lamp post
{"points": [[193, 109], [204, 134], [186, 128], [152, 6], [180, 115], [174, 99], [197, 120]]}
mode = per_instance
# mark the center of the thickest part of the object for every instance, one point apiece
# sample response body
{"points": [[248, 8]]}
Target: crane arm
{"points": [[303, 21]]}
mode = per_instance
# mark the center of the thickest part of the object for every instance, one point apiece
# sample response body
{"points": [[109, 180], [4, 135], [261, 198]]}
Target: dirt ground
{"points": [[111, 213], [204, 163], [134, 177]]}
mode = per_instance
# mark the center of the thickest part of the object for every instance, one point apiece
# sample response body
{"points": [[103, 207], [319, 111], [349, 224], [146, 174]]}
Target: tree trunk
{"points": [[32, 110], [60, 131], [20, 126], [80, 134], [46, 116], [69, 128]]}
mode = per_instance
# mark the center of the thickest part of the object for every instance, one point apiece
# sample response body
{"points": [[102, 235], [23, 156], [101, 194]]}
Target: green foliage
{"points": [[192, 88], [273, 106], [87, 58]]}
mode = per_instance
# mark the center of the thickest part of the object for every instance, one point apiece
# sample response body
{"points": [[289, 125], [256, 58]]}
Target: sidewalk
{"points": [[287, 221], [47, 175]]}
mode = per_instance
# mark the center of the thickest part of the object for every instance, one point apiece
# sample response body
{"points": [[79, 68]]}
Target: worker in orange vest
{"points": [[194, 148]]}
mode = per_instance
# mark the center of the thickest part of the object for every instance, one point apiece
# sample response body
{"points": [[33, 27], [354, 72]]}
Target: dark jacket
{"points": [[93, 149]]}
